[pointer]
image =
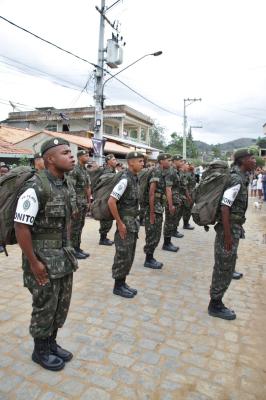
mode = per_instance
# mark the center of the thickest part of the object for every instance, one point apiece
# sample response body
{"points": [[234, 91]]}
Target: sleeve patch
{"points": [[27, 207], [119, 189], [230, 195]]}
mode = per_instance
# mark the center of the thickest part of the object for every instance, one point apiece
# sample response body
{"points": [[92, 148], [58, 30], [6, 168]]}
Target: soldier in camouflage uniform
{"points": [[81, 182], [124, 206], [191, 184], [106, 226], [184, 194], [171, 221], [228, 232], [159, 187], [43, 231]]}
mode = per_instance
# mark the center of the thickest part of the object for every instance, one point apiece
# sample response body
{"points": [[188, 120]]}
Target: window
{"points": [[108, 129], [51, 127], [66, 128]]}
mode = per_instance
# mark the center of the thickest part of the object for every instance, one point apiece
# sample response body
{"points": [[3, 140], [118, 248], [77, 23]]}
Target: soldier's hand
{"points": [[152, 218], [228, 243], [172, 210], [39, 271], [122, 231]]}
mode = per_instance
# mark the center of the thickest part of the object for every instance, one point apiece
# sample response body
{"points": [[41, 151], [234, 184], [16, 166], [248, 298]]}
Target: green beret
{"points": [[49, 144], [177, 157], [82, 153], [242, 153], [134, 154], [109, 157], [37, 155], [163, 156]]}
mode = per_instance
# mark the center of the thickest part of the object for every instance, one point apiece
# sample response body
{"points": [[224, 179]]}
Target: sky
{"points": [[212, 49]]}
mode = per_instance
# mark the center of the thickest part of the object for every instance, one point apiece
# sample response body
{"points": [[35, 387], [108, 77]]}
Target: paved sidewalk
{"points": [[161, 345]]}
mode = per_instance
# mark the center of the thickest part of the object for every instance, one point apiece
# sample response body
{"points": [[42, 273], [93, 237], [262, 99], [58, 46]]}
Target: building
{"points": [[11, 154], [120, 121]]}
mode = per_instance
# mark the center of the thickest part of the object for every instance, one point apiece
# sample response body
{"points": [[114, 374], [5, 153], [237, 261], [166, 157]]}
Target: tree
{"points": [[260, 161], [176, 144], [216, 151], [157, 137]]}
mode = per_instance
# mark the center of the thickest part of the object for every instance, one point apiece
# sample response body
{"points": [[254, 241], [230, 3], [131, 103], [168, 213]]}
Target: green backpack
{"points": [[95, 176], [208, 194], [10, 186], [99, 209], [144, 178]]}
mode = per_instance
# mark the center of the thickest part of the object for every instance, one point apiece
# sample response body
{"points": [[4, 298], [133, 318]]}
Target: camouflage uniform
{"points": [[183, 198], [187, 207], [52, 245], [171, 221], [106, 226], [81, 182], [153, 232], [225, 261], [128, 210]]}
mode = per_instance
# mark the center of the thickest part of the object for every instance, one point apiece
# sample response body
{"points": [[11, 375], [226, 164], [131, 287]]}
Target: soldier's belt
{"points": [[128, 213], [47, 244], [160, 196], [237, 219]]}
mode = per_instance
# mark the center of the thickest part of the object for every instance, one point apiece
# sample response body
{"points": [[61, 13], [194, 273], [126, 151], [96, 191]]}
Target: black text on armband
{"points": [[24, 218], [227, 202]]}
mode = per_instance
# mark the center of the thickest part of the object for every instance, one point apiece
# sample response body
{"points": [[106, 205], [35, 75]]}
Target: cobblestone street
{"points": [[160, 345]]}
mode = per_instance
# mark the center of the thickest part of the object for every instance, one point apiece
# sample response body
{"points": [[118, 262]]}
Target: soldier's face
{"points": [[63, 160], [112, 163], [249, 163], [84, 159], [166, 163], [3, 171], [136, 164]]}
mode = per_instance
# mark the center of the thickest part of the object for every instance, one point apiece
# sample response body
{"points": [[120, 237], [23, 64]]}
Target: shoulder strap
{"points": [[41, 175]]}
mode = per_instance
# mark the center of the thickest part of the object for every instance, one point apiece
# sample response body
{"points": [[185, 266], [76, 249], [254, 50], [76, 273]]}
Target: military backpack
{"points": [[99, 209], [95, 176], [208, 194], [10, 186]]}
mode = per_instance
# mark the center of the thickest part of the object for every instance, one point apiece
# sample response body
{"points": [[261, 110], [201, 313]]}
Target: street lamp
{"points": [[100, 105], [190, 101], [156, 54]]}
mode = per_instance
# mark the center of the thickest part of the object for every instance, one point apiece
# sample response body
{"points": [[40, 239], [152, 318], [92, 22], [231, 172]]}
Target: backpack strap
{"points": [[41, 175]]}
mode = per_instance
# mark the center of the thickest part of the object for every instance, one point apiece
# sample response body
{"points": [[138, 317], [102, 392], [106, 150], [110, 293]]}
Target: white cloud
{"points": [[211, 49]]}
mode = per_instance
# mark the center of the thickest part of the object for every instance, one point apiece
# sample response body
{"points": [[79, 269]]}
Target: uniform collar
{"points": [[55, 179]]}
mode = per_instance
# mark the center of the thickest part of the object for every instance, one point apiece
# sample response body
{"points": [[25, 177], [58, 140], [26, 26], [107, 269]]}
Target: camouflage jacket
{"points": [[240, 204], [191, 181], [128, 205], [163, 180], [80, 180], [52, 226]]}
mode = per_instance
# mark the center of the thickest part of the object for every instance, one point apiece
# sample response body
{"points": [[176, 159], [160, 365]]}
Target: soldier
{"points": [[38, 161], [106, 226], [124, 205], [43, 225], [184, 194], [171, 221], [159, 189], [191, 184], [81, 182], [4, 169], [228, 232]]}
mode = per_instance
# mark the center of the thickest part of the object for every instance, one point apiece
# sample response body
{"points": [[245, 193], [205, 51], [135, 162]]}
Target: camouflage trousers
{"points": [[105, 227], [178, 217], [186, 213], [225, 261], [124, 254], [77, 226], [153, 232], [50, 304], [171, 221]]}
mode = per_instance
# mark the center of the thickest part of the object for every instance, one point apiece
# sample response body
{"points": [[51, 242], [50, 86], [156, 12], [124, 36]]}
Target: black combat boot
{"points": [[79, 255], [141, 222], [217, 309], [121, 290], [57, 350], [134, 291], [178, 235], [188, 226], [104, 241], [42, 355], [168, 246], [237, 275], [150, 262], [83, 252]]}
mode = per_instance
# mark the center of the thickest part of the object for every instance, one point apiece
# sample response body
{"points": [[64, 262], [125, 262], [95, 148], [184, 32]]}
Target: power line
{"points": [[88, 62]]}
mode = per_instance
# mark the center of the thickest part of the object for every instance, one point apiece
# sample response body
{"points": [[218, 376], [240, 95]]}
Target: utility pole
{"points": [[189, 101], [98, 129]]}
